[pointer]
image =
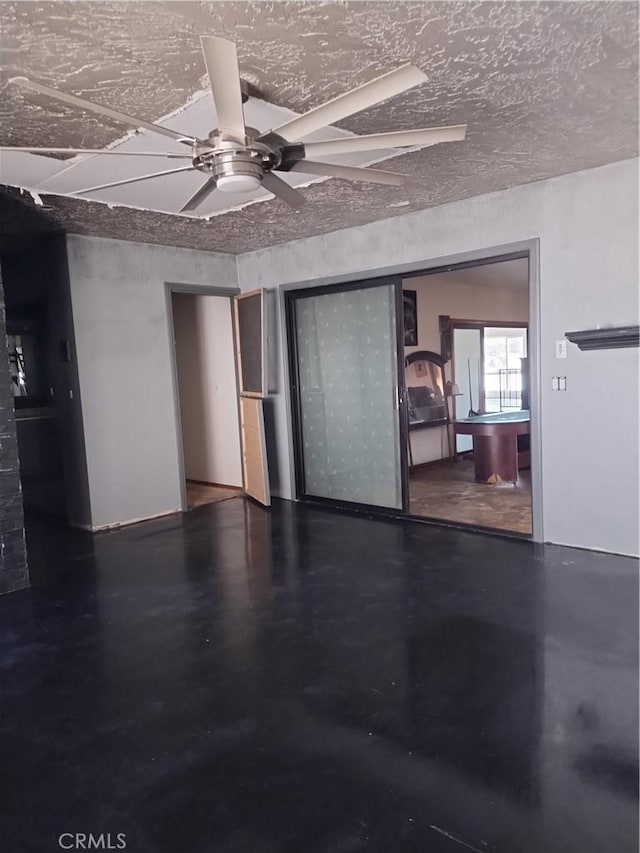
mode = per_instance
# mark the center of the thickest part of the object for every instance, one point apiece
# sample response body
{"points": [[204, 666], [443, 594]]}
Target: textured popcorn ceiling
{"points": [[545, 89]]}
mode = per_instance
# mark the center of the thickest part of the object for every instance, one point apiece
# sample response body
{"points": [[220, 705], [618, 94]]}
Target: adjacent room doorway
{"points": [[473, 469], [207, 392]]}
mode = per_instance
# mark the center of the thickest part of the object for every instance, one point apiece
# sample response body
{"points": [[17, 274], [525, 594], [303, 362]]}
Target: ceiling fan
{"points": [[240, 159]]}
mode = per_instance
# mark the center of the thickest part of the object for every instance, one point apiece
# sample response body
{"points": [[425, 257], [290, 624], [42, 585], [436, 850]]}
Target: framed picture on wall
{"points": [[410, 307]]}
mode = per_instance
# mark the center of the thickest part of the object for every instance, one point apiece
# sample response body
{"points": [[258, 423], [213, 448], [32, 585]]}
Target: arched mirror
{"points": [[424, 379]]}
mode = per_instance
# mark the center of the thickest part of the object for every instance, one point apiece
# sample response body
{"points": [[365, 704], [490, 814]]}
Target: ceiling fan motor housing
{"points": [[236, 167]]}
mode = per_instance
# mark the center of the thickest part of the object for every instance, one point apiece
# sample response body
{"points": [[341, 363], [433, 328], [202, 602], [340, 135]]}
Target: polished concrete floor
{"points": [[302, 681], [450, 493]]}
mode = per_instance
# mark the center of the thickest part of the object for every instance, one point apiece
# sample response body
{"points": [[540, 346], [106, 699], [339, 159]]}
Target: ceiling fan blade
{"points": [[352, 173], [221, 59], [132, 180], [198, 197], [283, 191], [93, 151], [97, 108], [379, 141], [376, 90]]}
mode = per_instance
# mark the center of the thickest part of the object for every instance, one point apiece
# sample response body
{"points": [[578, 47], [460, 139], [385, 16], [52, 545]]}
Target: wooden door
{"points": [[251, 342], [251, 364], [254, 452]]}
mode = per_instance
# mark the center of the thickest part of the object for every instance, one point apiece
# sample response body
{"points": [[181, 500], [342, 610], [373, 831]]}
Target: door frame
{"points": [[529, 248], [291, 296], [171, 287]]}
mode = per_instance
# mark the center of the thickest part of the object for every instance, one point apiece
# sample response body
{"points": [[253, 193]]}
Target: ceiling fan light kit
{"points": [[238, 183], [235, 168], [240, 159]]}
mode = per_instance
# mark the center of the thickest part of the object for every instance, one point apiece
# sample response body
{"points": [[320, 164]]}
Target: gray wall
{"points": [[587, 224], [125, 369], [66, 385]]}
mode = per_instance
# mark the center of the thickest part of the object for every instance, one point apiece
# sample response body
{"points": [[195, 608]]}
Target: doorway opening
{"points": [[472, 464], [207, 397], [410, 393]]}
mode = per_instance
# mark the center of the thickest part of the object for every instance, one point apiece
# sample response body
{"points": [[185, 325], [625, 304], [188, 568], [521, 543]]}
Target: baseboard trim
{"points": [[101, 528]]}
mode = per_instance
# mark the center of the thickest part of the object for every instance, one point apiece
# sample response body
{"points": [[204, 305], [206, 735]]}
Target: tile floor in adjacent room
{"points": [[305, 681], [449, 492]]}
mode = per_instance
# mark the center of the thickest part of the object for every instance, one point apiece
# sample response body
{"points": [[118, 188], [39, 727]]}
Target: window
{"points": [[503, 351]]}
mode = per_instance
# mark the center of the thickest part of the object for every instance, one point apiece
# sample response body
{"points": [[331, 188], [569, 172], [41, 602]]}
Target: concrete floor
{"points": [[302, 681]]}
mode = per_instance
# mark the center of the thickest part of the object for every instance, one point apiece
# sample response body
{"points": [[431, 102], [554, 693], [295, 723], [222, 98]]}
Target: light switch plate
{"points": [[561, 348]]}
